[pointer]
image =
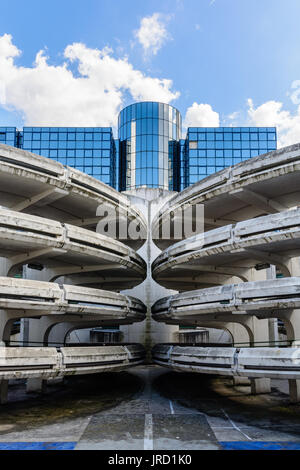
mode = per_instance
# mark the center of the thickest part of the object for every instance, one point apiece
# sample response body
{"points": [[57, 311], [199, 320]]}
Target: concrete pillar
{"points": [[262, 385], [3, 391], [294, 389], [7, 319], [240, 334], [273, 322], [36, 385], [149, 332], [292, 325], [241, 380]]}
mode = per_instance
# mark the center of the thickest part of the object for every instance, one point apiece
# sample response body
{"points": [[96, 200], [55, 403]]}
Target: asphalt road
{"points": [[151, 408]]}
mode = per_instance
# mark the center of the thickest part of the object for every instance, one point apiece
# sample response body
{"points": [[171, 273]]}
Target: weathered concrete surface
{"points": [[264, 299], [62, 249], [149, 332], [21, 298], [262, 185], [44, 187], [46, 362], [230, 252], [189, 411], [276, 363]]}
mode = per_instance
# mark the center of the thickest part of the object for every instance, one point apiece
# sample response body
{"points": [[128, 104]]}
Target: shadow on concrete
{"points": [[78, 396], [212, 394]]}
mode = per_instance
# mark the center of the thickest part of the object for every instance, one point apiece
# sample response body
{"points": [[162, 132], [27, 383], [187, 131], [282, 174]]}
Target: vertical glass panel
{"points": [[139, 110], [166, 112], [155, 110], [161, 127], [149, 142], [161, 110], [149, 109], [144, 110], [133, 111]]}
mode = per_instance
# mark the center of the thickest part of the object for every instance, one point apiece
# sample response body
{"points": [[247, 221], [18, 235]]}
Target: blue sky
{"points": [[218, 54]]}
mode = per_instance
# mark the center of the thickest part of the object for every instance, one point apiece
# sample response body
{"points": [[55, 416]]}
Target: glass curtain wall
{"points": [[149, 134], [89, 149]]}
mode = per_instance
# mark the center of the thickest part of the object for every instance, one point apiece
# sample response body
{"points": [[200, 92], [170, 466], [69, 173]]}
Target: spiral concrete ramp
{"points": [[73, 274], [239, 273]]}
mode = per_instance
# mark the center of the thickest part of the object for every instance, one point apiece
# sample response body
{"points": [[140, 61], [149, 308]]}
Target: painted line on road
{"points": [[37, 445], [235, 426], [260, 445], [148, 435], [171, 407]]}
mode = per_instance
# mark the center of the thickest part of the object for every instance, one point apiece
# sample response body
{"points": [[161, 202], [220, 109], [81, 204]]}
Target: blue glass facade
{"points": [[89, 149], [210, 149], [149, 150], [149, 134], [8, 136]]}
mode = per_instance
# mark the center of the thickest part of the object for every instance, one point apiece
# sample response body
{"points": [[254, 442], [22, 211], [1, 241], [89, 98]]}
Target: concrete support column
{"points": [[260, 386], [294, 389], [7, 319], [38, 332], [36, 385], [292, 325], [241, 380], [244, 334], [273, 322], [3, 391]]}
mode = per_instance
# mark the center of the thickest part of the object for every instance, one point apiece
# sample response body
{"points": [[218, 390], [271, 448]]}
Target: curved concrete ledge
{"points": [[229, 251], [46, 362], [264, 299], [65, 249], [262, 185], [273, 363], [24, 298], [44, 187]]}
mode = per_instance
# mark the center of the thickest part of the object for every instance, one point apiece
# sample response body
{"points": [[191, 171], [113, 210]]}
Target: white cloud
{"points": [[52, 95], [295, 95], [152, 33], [271, 113], [201, 115]]}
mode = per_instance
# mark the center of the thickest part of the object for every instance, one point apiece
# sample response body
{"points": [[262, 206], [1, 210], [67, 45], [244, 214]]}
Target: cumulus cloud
{"points": [[152, 33], [91, 96], [271, 113], [201, 115]]}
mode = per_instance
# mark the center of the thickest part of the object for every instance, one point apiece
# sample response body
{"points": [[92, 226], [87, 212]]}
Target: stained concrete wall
{"points": [[149, 332]]}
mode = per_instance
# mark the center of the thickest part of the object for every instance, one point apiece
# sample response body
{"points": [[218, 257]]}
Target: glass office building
{"points": [[89, 149], [210, 149], [149, 150], [149, 135], [8, 136]]}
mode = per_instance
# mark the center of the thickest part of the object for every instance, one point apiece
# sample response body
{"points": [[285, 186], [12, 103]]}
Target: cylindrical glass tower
{"points": [[149, 134]]}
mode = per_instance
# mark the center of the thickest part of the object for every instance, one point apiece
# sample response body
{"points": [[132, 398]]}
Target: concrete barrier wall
{"points": [[44, 187], [18, 363], [276, 363], [262, 185]]}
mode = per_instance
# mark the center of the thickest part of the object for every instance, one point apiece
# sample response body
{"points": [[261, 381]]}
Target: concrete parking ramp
{"points": [[262, 185], [40, 186], [44, 363], [21, 298], [214, 256], [273, 363], [274, 298], [63, 249]]}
